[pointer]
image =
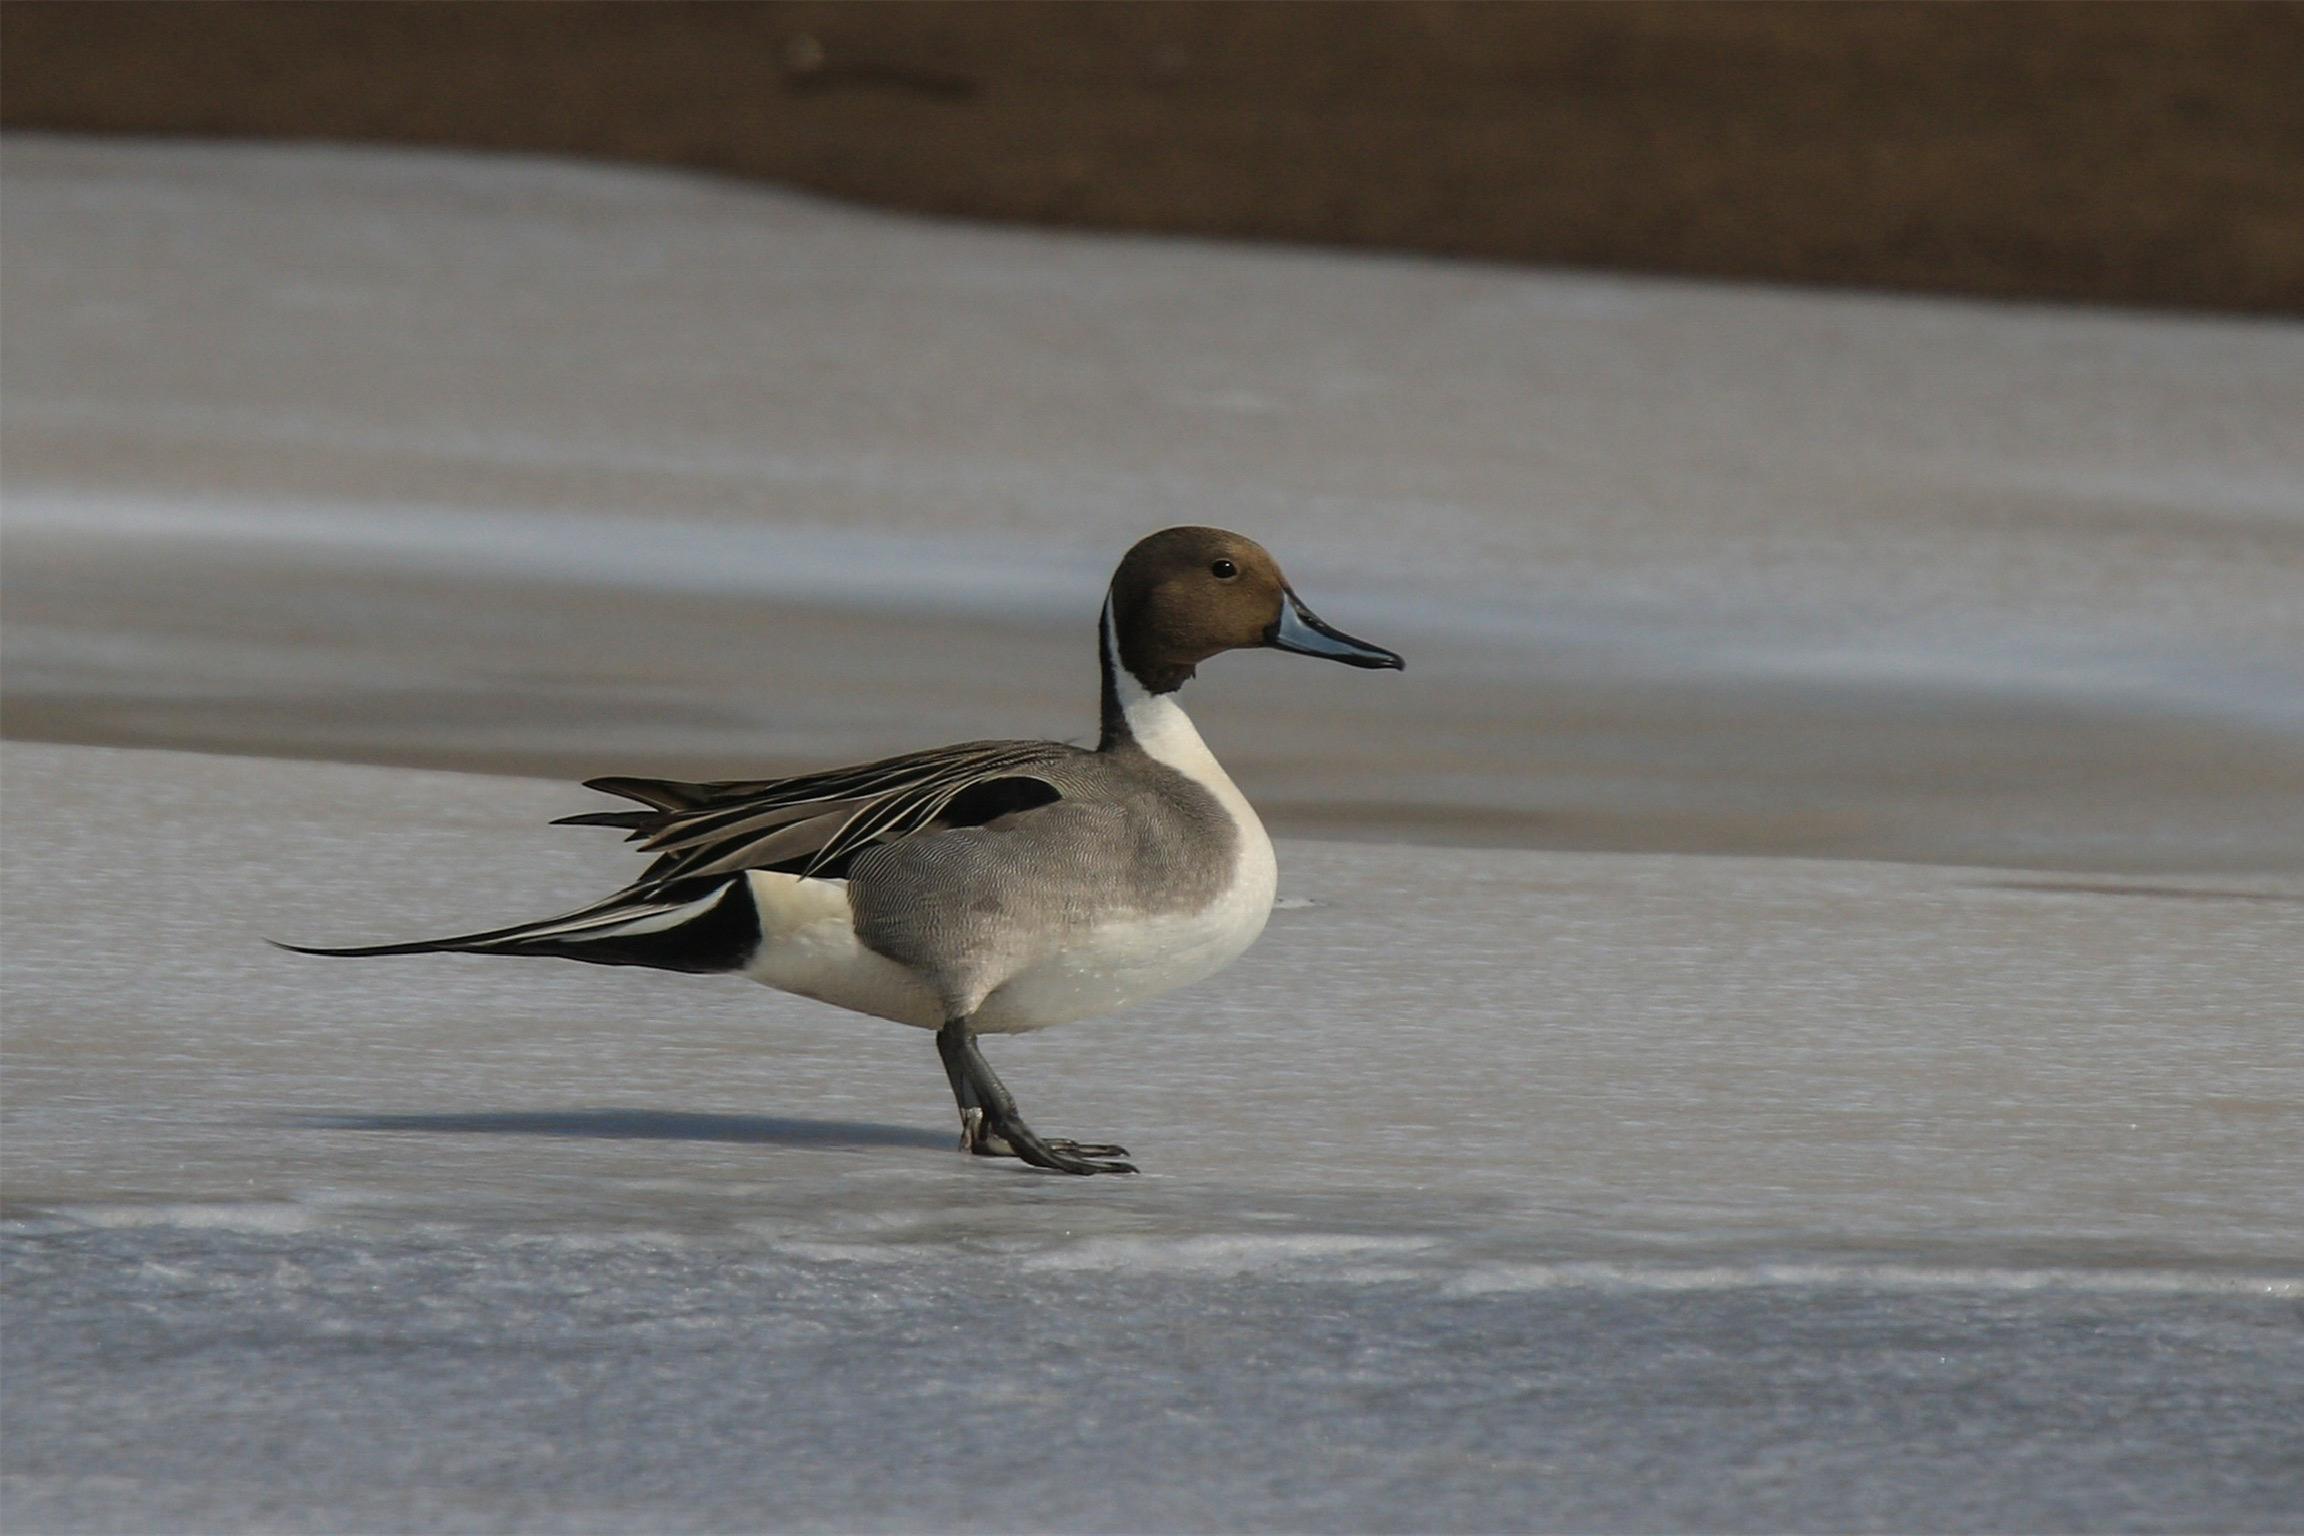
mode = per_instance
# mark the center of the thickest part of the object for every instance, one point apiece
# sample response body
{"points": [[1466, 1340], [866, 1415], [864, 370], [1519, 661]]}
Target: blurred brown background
{"points": [[2126, 153]]}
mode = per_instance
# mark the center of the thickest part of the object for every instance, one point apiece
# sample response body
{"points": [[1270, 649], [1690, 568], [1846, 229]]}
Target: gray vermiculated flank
{"points": [[972, 906]]}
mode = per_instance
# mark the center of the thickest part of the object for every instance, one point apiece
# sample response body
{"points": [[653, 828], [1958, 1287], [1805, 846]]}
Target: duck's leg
{"points": [[989, 1123]]}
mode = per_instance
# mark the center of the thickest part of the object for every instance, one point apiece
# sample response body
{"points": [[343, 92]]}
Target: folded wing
{"points": [[815, 824]]}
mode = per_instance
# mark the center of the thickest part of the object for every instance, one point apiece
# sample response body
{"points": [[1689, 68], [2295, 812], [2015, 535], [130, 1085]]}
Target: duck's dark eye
{"points": [[1223, 570]]}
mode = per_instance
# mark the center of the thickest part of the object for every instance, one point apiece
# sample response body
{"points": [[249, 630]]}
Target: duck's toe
{"points": [[1061, 1154], [1071, 1157], [1096, 1149]]}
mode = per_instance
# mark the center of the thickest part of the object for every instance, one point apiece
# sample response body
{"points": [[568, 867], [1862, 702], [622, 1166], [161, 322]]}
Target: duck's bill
{"points": [[1301, 630]]}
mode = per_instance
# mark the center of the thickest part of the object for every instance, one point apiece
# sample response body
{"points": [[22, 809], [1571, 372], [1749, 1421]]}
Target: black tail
{"points": [[707, 927]]}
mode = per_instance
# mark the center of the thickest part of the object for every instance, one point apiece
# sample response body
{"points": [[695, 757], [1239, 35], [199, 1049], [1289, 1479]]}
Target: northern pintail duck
{"points": [[990, 887]]}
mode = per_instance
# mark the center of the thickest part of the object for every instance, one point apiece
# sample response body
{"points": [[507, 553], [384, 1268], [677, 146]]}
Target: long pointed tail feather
{"points": [[709, 930]]}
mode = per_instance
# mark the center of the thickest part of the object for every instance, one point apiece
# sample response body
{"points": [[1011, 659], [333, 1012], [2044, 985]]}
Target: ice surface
{"points": [[460, 461], [1492, 1190], [1496, 1189], [251, 1381]]}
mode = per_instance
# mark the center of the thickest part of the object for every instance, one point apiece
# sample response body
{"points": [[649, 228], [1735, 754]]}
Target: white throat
{"points": [[1160, 725]]}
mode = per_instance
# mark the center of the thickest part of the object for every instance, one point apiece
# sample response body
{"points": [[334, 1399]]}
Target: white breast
{"points": [[1134, 958]]}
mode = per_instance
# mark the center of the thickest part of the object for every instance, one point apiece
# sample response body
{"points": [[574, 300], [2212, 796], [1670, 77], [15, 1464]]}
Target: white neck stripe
{"points": [[1156, 720]]}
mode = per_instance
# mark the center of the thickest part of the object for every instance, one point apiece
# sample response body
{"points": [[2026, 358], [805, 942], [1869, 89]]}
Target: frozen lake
{"points": [[1495, 1189], [1847, 1079]]}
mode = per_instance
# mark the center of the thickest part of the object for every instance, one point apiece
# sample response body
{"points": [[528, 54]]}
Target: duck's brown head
{"points": [[1184, 594]]}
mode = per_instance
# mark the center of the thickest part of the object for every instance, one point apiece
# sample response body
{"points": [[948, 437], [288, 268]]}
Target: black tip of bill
{"points": [[1301, 630]]}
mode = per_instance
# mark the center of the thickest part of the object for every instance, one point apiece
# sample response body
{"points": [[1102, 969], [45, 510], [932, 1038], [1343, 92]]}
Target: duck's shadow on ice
{"points": [[639, 1125]]}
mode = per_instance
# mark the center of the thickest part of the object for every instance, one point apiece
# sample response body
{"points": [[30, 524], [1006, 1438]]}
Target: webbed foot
{"points": [[979, 1137]]}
